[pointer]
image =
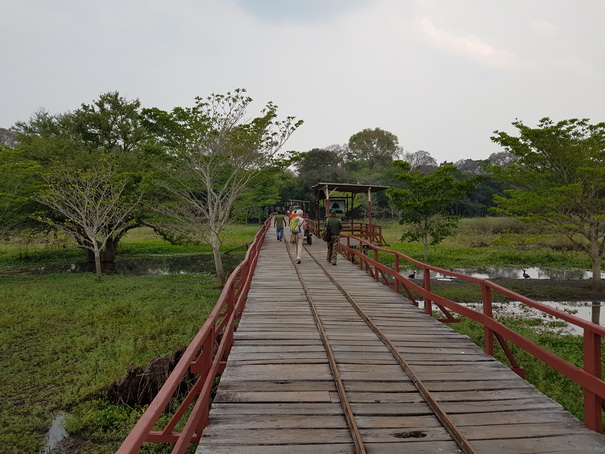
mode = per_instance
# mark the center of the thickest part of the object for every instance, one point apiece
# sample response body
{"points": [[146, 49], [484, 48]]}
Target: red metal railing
{"points": [[364, 253], [370, 232], [204, 360]]}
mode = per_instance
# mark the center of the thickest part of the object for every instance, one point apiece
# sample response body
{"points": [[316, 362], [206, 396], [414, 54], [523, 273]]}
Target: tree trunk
{"points": [[108, 254], [97, 255], [218, 266], [596, 312], [215, 243], [596, 273]]}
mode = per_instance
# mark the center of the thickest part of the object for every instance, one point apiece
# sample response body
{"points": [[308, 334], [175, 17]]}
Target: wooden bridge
{"points": [[326, 359]]}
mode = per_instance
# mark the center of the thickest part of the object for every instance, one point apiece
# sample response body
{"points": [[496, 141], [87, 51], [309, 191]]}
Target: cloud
{"points": [[470, 47], [544, 29]]}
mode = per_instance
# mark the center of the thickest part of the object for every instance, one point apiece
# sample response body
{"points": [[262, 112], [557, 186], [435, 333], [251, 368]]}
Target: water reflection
{"points": [[156, 265]]}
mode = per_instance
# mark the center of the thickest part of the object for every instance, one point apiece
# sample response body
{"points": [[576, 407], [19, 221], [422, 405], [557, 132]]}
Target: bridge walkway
{"points": [[279, 393]]}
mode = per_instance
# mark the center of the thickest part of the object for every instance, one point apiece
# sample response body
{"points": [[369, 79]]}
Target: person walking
{"points": [[334, 226], [279, 222], [297, 229]]}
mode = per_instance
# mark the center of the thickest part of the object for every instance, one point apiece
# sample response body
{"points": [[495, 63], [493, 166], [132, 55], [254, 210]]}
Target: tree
{"points": [[111, 127], [559, 174], [93, 205], [8, 138], [254, 201], [424, 201], [315, 166], [421, 160], [501, 159], [376, 147], [18, 183], [215, 156]]}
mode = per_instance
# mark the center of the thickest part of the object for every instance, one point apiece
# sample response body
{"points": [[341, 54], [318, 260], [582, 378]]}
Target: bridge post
{"points": [[428, 304], [593, 404], [486, 295], [396, 268]]}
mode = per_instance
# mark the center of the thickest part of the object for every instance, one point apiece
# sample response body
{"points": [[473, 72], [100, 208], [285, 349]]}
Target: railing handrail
{"points": [[203, 358], [589, 377], [496, 287]]}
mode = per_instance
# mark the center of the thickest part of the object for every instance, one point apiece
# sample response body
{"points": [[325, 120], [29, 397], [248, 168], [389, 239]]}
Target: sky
{"points": [[441, 75]]}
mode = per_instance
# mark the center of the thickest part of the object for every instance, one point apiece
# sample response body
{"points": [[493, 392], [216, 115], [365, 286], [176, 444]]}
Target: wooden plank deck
{"points": [[277, 393]]}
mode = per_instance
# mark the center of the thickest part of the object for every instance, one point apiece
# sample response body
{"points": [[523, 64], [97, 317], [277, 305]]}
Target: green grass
{"points": [[64, 337], [483, 242]]}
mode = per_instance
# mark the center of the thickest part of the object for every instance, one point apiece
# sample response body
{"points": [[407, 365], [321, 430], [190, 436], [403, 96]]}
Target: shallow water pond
{"points": [[586, 310], [513, 273], [155, 265]]}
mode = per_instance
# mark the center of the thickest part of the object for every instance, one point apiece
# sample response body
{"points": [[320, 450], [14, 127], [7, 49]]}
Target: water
{"points": [[155, 265], [514, 273], [56, 433], [590, 311]]}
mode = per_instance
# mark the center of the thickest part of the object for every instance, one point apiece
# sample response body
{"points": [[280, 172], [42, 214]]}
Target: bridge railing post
{"points": [[396, 268], [428, 304], [486, 295], [593, 404]]}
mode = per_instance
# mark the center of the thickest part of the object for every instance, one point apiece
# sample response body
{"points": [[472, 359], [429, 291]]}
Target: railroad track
{"points": [[463, 444]]}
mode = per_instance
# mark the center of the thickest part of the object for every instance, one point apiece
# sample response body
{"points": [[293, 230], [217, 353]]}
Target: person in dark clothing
{"points": [[334, 225]]}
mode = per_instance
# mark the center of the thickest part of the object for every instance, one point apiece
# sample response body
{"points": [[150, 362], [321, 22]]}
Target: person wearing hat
{"points": [[334, 226]]}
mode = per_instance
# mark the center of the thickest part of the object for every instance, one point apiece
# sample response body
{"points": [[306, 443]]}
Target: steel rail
{"points": [[342, 393], [439, 412]]}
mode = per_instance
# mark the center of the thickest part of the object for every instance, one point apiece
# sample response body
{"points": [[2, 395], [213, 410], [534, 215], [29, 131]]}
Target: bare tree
{"points": [[8, 138], [218, 156], [92, 204], [420, 160]]}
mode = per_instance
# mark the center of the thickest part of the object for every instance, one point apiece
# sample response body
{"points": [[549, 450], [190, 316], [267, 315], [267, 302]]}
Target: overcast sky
{"points": [[441, 75]]}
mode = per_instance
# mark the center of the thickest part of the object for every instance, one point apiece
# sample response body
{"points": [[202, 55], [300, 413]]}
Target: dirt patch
{"points": [[554, 290], [142, 383], [537, 289]]}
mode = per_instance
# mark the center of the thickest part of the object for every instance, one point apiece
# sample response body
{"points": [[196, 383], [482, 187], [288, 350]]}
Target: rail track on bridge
{"points": [[423, 391], [327, 360]]}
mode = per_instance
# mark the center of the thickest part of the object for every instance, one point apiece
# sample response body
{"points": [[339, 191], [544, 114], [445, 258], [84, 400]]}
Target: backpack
{"points": [[294, 225]]}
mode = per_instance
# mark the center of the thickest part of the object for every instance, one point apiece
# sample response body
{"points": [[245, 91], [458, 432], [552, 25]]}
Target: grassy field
{"points": [[65, 337], [484, 242]]}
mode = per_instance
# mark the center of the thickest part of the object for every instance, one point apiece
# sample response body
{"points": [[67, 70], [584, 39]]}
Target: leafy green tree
{"points": [[376, 147], [216, 155], [315, 166], [424, 200], [559, 174], [254, 201], [109, 128], [19, 181]]}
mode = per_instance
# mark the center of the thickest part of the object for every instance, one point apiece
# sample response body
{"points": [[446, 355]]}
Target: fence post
{"points": [[592, 365], [375, 268], [428, 304], [486, 295], [396, 267]]}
